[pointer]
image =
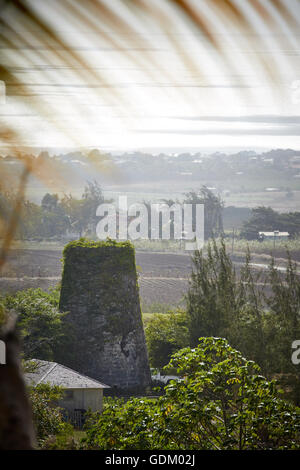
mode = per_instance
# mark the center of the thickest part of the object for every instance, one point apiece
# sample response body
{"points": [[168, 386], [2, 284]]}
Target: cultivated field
{"points": [[163, 277]]}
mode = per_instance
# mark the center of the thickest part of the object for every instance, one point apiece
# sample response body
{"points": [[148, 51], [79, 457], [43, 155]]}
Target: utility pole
{"points": [[232, 247]]}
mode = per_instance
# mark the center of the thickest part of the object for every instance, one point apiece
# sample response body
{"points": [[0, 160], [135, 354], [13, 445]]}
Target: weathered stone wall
{"points": [[100, 292]]}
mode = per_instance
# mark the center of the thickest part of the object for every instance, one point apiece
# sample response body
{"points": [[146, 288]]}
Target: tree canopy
{"points": [[222, 402]]}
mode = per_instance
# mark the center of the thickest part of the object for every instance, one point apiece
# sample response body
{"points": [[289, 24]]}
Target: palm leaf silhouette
{"points": [[120, 26]]}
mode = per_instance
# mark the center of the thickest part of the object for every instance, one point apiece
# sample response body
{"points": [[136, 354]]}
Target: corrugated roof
{"points": [[57, 374]]}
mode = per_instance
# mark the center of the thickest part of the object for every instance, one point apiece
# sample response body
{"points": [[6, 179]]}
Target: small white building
{"points": [[273, 235], [81, 393]]}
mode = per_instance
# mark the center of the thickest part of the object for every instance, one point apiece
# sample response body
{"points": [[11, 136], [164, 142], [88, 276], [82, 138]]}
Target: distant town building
{"points": [[273, 235]]}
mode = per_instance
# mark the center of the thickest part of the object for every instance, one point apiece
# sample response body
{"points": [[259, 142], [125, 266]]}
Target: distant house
{"points": [[81, 393], [273, 235], [271, 189]]}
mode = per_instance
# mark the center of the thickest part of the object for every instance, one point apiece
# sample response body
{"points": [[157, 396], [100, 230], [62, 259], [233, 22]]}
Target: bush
{"points": [[47, 417], [222, 403], [165, 333], [39, 322]]}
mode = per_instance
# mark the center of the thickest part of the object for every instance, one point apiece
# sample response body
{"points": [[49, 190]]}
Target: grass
{"points": [[266, 246], [46, 245], [266, 249], [176, 246]]}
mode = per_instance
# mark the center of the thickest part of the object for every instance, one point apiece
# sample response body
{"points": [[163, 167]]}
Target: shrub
{"points": [[223, 402]]}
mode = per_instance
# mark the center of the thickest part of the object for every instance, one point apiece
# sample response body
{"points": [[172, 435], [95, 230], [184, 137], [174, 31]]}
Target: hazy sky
{"points": [[161, 85]]}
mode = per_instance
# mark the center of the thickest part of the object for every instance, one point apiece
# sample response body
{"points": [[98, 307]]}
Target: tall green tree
{"points": [[39, 322], [213, 210], [284, 325], [213, 298], [222, 303]]}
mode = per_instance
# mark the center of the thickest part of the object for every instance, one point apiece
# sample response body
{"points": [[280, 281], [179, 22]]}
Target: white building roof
{"points": [[57, 374]]}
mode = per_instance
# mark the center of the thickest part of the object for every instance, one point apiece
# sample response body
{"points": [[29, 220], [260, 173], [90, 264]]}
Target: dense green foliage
{"points": [[258, 313], [39, 322], [217, 297], [47, 417], [51, 430], [85, 243], [165, 333], [222, 402], [261, 323]]}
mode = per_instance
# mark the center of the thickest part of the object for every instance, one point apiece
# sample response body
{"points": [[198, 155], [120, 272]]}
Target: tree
{"points": [[45, 221], [82, 212], [213, 209], [219, 303], [47, 418], [261, 324], [264, 219], [284, 326], [74, 209], [31, 225], [52, 432], [165, 333], [92, 198], [54, 218], [222, 403], [49, 202], [212, 299], [39, 322]]}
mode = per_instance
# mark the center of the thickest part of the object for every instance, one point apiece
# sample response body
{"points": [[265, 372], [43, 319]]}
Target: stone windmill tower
{"points": [[100, 292]]}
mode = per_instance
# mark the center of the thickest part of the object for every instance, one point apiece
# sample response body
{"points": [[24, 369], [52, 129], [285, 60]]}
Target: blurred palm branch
{"points": [[121, 24]]}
